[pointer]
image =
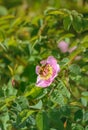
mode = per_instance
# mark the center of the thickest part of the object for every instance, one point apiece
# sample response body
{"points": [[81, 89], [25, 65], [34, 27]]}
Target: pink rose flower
{"points": [[63, 46], [47, 72]]}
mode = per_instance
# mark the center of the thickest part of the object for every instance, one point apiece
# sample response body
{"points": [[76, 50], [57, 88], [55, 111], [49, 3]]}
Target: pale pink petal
{"points": [[52, 61], [72, 49], [37, 69], [63, 46], [43, 83], [55, 72], [43, 62], [58, 68], [48, 82]]}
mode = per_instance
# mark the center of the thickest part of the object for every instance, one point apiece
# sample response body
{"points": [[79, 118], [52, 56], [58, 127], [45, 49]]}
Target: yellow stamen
{"points": [[46, 72]]}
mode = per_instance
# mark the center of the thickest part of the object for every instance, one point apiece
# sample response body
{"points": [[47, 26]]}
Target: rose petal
{"points": [[55, 72], [58, 68], [52, 61], [70, 50], [37, 69], [63, 46], [43, 83], [43, 62]]}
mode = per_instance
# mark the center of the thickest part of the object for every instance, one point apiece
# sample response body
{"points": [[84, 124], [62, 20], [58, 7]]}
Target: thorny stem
{"points": [[41, 29]]}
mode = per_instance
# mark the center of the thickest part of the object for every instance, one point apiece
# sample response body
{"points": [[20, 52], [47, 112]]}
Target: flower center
{"points": [[46, 71]]}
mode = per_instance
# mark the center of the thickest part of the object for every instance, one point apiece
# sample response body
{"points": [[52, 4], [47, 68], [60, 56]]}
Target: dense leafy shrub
{"points": [[25, 40]]}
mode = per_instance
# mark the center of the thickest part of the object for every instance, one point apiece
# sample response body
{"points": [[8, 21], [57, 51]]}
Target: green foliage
{"points": [[42, 121], [60, 94], [30, 31]]}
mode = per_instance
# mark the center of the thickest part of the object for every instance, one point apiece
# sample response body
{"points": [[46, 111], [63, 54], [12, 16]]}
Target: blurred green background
{"points": [[38, 6]]}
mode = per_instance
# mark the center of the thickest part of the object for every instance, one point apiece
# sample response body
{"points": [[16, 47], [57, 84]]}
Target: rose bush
{"points": [[43, 86]]}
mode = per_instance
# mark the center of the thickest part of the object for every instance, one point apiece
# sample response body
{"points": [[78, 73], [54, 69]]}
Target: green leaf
{"points": [[37, 106], [68, 35], [60, 94], [57, 97], [55, 12], [86, 116], [34, 92], [10, 91], [86, 128], [65, 111], [75, 69], [16, 22], [85, 24], [84, 101], [85, 94], [24, 115], [77, 23], [85, 39], [77, 127], [3, 11], [64, 62], [21, 103], [67, 22], [29, 72], [78, 115], [4, 118], [42, 121], [2, 37], [65, 92], [55, 121], [7, 17]]}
